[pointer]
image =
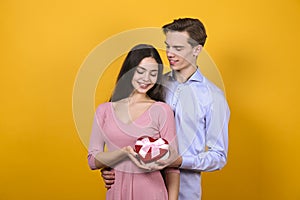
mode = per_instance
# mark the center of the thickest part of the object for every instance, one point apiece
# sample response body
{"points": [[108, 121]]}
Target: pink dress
{"points": [[131, 182]]}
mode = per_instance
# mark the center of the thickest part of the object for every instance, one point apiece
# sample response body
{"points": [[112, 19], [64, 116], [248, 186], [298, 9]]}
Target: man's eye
{"points": [[178, 48]]}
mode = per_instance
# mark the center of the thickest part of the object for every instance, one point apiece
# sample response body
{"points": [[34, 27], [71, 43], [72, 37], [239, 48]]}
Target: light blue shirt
{"points": [[202, 116]]}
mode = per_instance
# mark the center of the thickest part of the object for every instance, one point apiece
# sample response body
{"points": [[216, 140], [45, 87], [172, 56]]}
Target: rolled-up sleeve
{"points": [[216, 138]]}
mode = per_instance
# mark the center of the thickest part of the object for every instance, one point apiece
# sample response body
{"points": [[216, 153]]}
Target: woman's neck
{"points": [[136, 97]]}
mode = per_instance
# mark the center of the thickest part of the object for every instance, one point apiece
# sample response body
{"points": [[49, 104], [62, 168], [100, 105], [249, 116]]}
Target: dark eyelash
{"points": [[139, 72]]}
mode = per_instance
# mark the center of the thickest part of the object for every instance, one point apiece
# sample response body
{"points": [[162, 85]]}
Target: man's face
{"points": [[180, 53]]}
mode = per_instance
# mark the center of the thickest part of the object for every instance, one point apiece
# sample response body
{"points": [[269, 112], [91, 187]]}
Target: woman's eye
{"points": [[153, 74], [139, 71]]}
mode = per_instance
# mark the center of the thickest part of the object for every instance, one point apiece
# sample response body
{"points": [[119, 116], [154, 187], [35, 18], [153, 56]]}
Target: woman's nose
{"points": [[146, 77]]}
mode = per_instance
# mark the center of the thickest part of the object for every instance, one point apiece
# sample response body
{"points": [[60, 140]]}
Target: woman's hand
{"points": [[174, 160], [135, 158]]}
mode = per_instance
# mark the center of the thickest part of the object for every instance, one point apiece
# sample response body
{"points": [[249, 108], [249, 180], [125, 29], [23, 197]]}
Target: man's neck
{"points": [[183, 75]]}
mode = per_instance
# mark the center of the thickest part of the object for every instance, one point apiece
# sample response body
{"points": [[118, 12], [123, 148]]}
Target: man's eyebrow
{"points": [[175, 46], [178, 46]]}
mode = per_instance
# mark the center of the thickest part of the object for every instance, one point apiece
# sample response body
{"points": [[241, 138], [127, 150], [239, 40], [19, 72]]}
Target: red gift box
{"points": [[150, 149]]}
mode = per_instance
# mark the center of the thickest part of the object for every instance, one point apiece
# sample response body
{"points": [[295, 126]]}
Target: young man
{"points": [[201, 110]]}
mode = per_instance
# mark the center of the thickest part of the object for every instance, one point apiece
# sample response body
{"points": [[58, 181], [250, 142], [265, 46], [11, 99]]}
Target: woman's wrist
{"points": [[127, 149]]}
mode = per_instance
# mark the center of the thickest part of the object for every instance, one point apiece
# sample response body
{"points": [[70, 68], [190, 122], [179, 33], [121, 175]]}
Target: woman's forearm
{"points": [[110, 158]]}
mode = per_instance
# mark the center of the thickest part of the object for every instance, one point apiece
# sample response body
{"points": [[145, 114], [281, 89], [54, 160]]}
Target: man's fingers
{"points": [[105, 171], [108, 177], [107, 174], [109, 182]]}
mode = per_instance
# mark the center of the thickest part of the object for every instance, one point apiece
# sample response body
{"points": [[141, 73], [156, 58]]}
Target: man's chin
{"points": [[174, 67]]}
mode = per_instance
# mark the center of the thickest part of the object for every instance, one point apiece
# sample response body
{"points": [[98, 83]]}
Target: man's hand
{"points": [[108, 176]]}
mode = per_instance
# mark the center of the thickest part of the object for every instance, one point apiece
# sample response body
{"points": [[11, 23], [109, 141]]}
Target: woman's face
{"points": [[145, 75]]}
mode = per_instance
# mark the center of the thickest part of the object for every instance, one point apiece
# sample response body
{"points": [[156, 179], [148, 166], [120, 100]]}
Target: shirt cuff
{"points": [[187, 162]]}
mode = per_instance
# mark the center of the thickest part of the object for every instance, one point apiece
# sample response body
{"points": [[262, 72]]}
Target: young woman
{"points": [[136, 109]]}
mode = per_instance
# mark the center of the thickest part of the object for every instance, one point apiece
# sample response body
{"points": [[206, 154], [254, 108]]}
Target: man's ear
{"points": [[197, 50]]}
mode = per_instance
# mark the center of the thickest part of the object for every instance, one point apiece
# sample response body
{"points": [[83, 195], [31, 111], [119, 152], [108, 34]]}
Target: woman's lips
{"points": [[144, 86]]}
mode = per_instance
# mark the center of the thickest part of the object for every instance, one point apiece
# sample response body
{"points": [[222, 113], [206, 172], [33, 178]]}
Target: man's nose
{"points": [[170, 53]]}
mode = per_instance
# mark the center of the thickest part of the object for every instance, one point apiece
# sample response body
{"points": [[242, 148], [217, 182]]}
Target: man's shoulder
{"points": [[204, 84], [212, 86], [205, 91]]}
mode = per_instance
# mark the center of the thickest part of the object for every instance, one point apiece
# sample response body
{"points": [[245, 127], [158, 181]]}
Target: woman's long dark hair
{"points": [[124, 86]]}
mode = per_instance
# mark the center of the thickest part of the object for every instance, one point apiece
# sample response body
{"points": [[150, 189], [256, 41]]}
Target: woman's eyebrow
{"points": [[146, 69], [141, 67]]}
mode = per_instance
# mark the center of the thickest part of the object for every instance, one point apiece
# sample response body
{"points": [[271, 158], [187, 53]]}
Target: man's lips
{"points": [[173, 62]]}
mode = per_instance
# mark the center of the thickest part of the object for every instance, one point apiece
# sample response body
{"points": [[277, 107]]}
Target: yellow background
{"points": [[255, 45]]}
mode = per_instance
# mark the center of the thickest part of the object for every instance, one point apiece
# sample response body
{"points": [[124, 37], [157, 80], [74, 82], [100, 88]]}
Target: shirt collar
{"points": [[197, 76]]}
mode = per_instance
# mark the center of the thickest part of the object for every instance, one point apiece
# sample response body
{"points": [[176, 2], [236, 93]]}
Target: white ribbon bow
{"points": [[155, 146]]}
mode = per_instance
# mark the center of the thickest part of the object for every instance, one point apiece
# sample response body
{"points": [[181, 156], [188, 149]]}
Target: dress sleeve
{"points": [[96, 140]]}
